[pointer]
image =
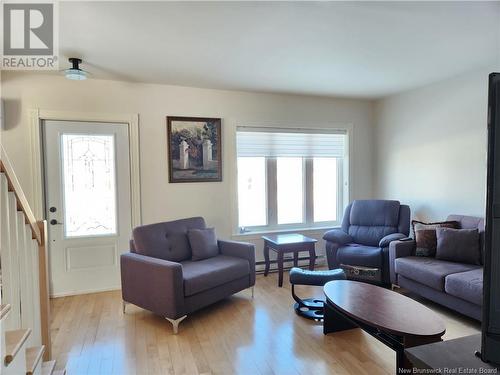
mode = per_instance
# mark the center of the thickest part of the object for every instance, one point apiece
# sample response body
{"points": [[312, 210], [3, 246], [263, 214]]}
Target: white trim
{"points": [[37, 117], [36, 163], [257, 235], [88, 291]]}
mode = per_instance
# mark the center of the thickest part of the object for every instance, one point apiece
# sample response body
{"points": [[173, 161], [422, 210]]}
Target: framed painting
{"points": [[194, 149]]}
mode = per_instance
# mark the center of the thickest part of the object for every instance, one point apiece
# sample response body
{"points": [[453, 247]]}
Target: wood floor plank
{"points": [[240, 335]]}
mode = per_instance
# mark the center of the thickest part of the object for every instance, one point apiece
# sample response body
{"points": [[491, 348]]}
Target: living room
{"points": [[266, 120]]}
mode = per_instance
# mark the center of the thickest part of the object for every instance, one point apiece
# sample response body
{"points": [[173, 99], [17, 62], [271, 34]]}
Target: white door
{"points": [[87, 202]]}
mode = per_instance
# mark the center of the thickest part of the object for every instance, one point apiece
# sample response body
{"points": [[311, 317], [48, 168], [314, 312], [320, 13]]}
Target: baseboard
{"points": [[88, 291]]}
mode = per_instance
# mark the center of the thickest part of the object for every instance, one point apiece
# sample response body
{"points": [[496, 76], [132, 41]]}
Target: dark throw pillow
{"points": [[458, 245], [425, 236], [203, 243]]}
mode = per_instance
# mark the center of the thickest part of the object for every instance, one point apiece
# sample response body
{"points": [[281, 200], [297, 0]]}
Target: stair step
{"points": [[14, 341], [33, 358], [59, 372], [48, 367], [4, 310]]}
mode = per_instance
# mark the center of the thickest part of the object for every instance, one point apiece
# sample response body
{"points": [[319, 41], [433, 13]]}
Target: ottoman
{"points": [[312, 308]]}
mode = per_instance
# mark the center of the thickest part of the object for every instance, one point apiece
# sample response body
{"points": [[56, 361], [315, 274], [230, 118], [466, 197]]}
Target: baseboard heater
{"points": [[320, 260]]}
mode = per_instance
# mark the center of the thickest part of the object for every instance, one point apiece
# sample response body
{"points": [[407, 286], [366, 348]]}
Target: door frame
{"points": [[37, 118]]}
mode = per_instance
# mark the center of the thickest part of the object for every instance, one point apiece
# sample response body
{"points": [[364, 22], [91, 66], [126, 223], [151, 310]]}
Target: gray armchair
{"points": [[159, 275], [368, 227]]}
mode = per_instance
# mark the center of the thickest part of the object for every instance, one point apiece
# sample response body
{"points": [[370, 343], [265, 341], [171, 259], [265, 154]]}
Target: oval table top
{"points": [[383, 309]]}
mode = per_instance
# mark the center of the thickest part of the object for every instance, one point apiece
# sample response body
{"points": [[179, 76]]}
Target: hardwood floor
{"points": [[239, 335]]}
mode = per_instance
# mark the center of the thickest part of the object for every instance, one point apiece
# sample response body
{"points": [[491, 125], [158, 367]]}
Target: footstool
{"points": [[312, 308]]}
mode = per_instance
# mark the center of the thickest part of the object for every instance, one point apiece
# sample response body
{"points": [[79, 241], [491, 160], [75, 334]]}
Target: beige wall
{"points": [[431, 147], [161, 200]]}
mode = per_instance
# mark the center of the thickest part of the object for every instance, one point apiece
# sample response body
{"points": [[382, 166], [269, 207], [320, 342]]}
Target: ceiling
{"points": [[347, 49]]}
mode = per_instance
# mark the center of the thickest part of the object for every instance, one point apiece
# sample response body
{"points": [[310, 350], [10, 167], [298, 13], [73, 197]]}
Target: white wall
{"points": [[161, 200], [431, 147]]}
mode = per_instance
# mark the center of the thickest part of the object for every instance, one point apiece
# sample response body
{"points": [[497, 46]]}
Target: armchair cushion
{"points": [[385, 241], [166, 240], [337, 236], [359, 255], [371, 220], [212, 272], [203, 243], [381, 213]]}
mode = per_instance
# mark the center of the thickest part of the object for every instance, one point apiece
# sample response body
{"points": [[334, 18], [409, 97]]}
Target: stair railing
{"points": [[39, 233]]}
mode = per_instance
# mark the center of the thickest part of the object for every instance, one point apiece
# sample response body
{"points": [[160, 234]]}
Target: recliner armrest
{"points": [[337, 236], [153, 284], [240, 250], [399, 249], [385, 241]]}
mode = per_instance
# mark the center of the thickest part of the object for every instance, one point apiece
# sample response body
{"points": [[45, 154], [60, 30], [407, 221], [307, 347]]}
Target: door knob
{"points": [[54, 222]]}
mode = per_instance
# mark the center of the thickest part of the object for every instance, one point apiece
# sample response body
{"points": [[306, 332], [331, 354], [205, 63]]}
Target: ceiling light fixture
{"points": [[75, 73]]}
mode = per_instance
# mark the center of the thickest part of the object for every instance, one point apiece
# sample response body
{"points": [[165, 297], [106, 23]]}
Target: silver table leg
{"points": [[175, 323]]}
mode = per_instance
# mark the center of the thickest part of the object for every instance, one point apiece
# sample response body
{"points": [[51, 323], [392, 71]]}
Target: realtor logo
{"points": [[28, 29], [29, 36]]}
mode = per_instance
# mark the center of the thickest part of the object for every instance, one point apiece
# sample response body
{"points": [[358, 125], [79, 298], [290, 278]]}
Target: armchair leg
{"points": [[124, 306], [253, 288], [175, 323]]}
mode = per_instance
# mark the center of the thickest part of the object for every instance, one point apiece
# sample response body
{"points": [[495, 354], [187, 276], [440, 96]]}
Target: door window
{"points": [[89, 185]]}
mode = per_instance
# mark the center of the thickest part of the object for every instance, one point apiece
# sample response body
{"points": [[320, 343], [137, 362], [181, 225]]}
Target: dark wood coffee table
{"points": [[396, 320], [288, 243]]}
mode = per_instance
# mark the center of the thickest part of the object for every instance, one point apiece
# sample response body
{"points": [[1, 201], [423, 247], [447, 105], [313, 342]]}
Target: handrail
{"points": [[22, 202]]}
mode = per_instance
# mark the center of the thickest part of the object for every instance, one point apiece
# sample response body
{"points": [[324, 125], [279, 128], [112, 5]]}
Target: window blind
{"points": [[293, 143]]}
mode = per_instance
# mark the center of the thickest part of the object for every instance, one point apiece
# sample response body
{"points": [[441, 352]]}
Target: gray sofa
{"points": [[457, 286], [368, 226], [159, 275]]}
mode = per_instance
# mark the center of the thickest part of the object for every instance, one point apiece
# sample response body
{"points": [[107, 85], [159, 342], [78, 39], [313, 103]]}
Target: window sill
{"points": [[258, 234]]}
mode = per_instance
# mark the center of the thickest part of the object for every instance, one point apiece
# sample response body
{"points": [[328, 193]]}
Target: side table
{"points": [[288, 243]]}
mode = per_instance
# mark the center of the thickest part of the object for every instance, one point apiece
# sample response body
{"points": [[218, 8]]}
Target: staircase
{"points": [[24, 298]]}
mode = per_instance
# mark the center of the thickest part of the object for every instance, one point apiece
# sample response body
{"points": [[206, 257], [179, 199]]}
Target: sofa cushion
{"points": [[425, 236], [458, 245], [166, 240], [359, 255], [472, 222], [203, 243], [429, 271], [209, 273], [466, 285]]}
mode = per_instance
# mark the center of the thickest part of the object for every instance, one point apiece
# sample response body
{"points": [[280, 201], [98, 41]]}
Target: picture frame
{"points": [[194, 149]]}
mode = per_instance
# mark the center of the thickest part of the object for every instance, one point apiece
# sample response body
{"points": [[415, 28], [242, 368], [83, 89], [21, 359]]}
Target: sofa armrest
{"points": [[337, 236], [399, 249], [154, 284], [240, 250], [385, 241]]}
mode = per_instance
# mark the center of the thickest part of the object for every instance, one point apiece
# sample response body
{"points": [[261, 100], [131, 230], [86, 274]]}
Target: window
{"points": [[290, 190], [290, 178], [252, 191], [89, 185]]}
